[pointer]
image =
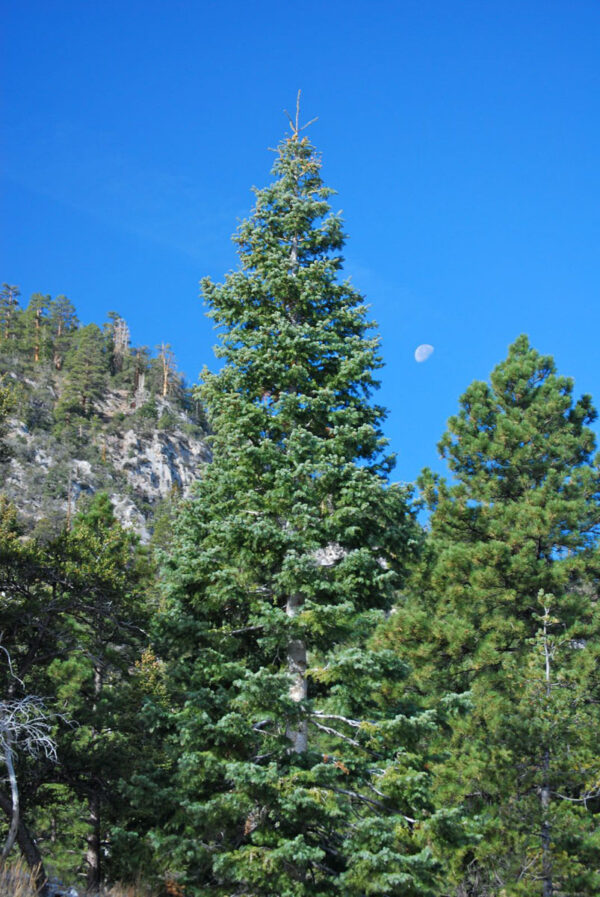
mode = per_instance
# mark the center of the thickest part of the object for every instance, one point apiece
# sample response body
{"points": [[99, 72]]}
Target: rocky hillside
{"points": [[98, 415], [138, 466]]}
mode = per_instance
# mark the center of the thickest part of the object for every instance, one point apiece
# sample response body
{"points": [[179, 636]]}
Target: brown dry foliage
{"points": [[17, 880]]}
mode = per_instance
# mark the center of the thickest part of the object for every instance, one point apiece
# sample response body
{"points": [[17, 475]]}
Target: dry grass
{"points": [[17, 880]]}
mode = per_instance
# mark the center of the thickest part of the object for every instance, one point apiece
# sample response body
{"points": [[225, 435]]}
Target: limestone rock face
{"points": [[156, 463], [137, 460]]}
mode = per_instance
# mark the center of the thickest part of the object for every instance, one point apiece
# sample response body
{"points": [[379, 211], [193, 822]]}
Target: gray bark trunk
{"points": [[545, 792], [296, 659], [548, 889], [296, 651], [92, 856], [14, 790]]}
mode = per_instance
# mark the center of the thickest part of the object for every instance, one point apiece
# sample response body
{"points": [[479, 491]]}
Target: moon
{"points": [[423, 352]]}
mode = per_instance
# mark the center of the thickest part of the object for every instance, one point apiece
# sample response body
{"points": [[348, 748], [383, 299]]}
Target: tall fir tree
{"points": [[108, 576], [63, 324], [289, 772], [86, 368], [505, 607], [36, 332]]}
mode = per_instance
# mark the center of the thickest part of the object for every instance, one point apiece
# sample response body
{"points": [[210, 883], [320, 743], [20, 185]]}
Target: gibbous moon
{"points": [[423, 352]]}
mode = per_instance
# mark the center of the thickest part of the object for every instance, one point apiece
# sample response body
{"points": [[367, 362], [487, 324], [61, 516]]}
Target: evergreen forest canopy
{"points": [[46, 335], [305, 692]]}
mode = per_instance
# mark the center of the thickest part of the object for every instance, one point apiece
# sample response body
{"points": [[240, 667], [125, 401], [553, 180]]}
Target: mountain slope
{"points": [[90, 413]]}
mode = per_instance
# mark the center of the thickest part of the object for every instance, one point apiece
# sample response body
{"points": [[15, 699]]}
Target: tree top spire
{"points": [[295, 123]]}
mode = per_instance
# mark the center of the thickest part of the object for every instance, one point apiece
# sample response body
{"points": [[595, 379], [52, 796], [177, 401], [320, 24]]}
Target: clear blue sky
{"points": [[463, 139]]}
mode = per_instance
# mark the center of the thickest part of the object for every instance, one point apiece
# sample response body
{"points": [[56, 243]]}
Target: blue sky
{"points": [[463, 139]]}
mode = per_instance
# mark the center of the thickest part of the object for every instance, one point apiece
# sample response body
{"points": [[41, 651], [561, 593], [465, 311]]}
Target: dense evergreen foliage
{"points": [[505, 607], [316, 695], [72, 614], [291, 774], [82, 363]]}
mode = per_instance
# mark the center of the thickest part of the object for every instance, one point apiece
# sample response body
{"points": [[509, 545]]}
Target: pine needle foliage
{"points": [[505, 608], [288, 771]]}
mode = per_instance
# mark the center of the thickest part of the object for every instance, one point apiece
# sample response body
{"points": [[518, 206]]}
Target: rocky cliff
{"points": [[89, 413], [139, 460]]}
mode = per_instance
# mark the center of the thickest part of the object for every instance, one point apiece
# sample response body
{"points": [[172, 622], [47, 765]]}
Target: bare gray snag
{"points": [[25, 725]]}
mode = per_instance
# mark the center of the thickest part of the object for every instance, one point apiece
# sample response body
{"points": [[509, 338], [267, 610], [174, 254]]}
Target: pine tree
{"points": [[9, 311], [36, 334], [105, 571], [289, 771], [86, 369], [505, 607], [63, 324], [72, 616]]}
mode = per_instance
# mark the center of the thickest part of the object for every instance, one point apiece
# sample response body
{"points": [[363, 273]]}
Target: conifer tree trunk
{"points": [[92, 856], [27, 845], [36, 348], [296, 658], [167, 368], [545, 789], [165, 378], [14, 790], [546, 842], [296, 652], [57, 358]]}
